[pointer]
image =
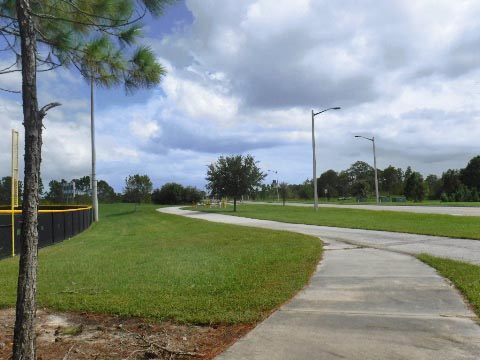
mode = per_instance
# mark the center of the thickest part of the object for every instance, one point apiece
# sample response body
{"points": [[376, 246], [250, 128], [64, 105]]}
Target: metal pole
{"points": [[315, 194], [278, 195], [375, 167], [92, 129]]}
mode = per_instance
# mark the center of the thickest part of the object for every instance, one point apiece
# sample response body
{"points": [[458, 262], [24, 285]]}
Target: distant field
{"points": [[467, 227], [163, 266]]}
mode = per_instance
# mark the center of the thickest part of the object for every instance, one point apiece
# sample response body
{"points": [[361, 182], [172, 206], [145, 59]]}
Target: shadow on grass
{"points": [[124, 213]]}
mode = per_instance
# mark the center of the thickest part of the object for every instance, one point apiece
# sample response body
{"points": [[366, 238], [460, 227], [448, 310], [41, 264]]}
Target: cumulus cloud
{"points": [[243, 77]]}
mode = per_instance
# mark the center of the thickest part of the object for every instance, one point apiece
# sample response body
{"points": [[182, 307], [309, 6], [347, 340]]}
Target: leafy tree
{"points": [[55, 193], [343, 184], [470, 176], [414, 187], [328, 180], [450, 181], [234, 176], [391, 180], [434, 187], [138, 189], [360, 188], [192, 195], [93, 36], [6, 190], [83, 185], [170, 193], [106, 193], [283, 188]]}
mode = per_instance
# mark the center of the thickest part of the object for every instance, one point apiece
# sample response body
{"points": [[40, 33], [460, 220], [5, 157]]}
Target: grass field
{"points": [[465, 276], [162, 267], [467, 227]]}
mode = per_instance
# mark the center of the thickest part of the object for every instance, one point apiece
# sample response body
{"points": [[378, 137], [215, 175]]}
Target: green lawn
{"points": [[467, 227], [465, 276], [163, 267]]}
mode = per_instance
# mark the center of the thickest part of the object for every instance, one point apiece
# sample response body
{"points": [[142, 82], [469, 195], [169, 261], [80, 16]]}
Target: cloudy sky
{"points": [[244, 76]]}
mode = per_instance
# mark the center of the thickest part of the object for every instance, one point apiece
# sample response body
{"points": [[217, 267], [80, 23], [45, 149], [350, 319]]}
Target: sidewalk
{"points": [[363, 303]]}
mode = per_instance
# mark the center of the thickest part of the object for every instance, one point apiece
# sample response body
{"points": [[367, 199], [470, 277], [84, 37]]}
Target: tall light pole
{"points": [[374, 164], [92, 134], [315, 194], [276, 173]]}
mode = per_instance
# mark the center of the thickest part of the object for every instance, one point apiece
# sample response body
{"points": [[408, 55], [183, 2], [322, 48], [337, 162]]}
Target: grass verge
{"points": [[465, 276], [467, 227], [167, 267]]}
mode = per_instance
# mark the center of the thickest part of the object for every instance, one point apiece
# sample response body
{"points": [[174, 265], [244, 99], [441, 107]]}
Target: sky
{"points": [[243, 78]]}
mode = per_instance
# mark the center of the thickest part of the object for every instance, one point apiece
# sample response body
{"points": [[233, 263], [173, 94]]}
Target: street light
{"points": [[276, 173], [374, 164], [315, 194]]}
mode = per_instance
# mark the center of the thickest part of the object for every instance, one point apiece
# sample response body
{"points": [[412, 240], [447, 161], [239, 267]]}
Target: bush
{"points": [[173, 194]]}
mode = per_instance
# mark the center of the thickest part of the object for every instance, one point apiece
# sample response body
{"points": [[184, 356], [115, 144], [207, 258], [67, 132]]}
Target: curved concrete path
{"points": [[362, 303]]}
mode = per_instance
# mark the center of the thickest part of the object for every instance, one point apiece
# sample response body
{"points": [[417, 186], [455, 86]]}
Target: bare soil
{"points": [[72, 336]]}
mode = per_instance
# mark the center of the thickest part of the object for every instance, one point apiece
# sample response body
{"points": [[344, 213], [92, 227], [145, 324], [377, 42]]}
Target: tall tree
{"points": [[470, 176], [234, 176], [138, 189], [66, 29], [414, 186], [283, 192]]}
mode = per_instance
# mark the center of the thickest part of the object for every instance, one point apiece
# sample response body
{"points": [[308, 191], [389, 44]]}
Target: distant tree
{"points": [[55, 193], [284, 190], [192, 195], [106, 194], [343, 184], [414, 187], [360, 188], [83, 185], [6, 190], [450, 181], [470, 176], [170, 193], [328, 180], [434, 187], [391, 180], [234, 176], [138, 189]]}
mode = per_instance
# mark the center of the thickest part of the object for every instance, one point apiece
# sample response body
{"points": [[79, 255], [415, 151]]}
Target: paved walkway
{"points": [[427, 209], [362, 303]]}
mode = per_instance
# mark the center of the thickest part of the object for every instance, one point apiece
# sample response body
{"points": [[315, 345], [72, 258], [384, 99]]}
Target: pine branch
{"points": [[43, 111]]}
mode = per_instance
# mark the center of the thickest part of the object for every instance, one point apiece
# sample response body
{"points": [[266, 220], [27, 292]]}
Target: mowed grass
{"points": [[467, 227], [465, 276], [167, 267]]}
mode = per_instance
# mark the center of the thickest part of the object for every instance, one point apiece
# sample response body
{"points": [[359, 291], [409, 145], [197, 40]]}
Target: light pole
{"points": [[374, 164], [276, 173], [315, 194]]}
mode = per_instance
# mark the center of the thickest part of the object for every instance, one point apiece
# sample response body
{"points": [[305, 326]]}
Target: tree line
{"points": [[358, 181], [137, 189]]}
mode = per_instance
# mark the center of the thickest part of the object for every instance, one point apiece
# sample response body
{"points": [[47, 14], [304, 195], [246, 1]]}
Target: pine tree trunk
{"points": [[24, 336], [235, 204]]}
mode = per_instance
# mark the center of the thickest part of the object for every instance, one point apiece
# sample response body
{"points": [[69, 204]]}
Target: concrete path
{"points": [[457, 249], [362, 303], [445, 210]]}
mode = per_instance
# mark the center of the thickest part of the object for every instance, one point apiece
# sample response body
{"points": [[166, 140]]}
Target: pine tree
{"points": [[96, 38]]}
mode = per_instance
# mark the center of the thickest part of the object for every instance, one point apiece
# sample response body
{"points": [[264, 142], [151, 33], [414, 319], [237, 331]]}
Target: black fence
{"points": [[55, 224]]}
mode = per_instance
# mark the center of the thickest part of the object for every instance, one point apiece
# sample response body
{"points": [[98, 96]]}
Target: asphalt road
{"points": [[446, 210]]}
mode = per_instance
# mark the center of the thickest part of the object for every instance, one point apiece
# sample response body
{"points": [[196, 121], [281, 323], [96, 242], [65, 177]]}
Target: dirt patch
{"points": [[71, 336]]}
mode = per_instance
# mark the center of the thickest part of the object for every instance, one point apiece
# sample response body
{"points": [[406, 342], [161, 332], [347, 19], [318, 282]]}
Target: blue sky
{"points": [[243, 77]]}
